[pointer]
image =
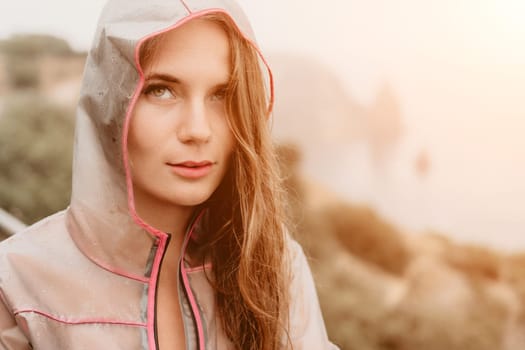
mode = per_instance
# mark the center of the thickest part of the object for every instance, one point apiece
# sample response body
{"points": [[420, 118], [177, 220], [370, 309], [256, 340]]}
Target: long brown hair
{"points": [[245, 241]]}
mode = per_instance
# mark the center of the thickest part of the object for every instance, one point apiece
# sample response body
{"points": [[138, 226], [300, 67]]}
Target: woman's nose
{"points": [[195, 124]]}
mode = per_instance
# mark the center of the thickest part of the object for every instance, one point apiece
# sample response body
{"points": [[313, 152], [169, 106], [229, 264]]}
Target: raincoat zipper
{"points": [[167, 242], [161, 245]]}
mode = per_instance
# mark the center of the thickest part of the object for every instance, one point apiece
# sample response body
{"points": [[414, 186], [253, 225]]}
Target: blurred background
{"points": [[400, 127]]}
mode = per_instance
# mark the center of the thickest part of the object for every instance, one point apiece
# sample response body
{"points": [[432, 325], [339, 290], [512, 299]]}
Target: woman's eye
{"points": [[219, 95], [159, 92]]}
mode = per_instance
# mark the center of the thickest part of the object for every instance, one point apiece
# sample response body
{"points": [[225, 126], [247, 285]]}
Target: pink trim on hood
{"points": [[199, 268], [138, 91]]}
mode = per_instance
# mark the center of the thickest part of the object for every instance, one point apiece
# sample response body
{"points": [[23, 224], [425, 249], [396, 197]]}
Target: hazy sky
{"points": [[367, 40]]}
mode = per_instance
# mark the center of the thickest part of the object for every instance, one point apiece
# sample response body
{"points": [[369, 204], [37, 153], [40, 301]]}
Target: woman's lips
{"points": [[191, 169]]}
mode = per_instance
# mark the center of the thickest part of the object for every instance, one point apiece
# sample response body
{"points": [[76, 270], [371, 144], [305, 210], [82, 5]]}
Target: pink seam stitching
{"points": [[199, 268], [80, 321], [117, 271]]}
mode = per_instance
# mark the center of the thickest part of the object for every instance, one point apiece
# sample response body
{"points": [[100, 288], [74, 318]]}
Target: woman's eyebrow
{"points": [[163, 77]]}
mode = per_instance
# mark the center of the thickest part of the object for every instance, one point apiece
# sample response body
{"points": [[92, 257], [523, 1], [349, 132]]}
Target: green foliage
{"points": [[35, 157], [34, 45]]}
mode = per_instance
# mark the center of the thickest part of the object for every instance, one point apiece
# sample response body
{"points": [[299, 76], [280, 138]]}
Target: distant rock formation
{"points": [[384, 123], [312, 105], [313, 108]]}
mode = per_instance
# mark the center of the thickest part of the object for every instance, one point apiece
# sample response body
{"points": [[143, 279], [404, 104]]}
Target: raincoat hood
{"points": [[103, 221]]}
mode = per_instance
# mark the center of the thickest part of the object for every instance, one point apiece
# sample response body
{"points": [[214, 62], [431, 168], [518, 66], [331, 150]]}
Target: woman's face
{"points": [[179, 140]]}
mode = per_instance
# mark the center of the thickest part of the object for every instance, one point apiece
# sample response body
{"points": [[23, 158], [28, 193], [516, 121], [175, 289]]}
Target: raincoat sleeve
{"points": [[307, 328], [11, 337]]}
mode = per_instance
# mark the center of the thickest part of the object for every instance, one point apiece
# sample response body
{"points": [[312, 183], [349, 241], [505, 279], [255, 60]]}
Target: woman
{"points": [[175, 236]]}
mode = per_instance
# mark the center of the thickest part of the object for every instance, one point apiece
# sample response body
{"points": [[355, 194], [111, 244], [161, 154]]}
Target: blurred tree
{"points": [[22, 51], [35, 157]]}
